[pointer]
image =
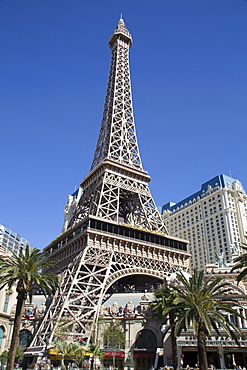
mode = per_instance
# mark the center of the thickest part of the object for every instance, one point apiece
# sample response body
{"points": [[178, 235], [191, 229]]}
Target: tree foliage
{"points": [[95, 353], [68, 350], [26, 272], [18, 355], [241, 263], [204, 306], [4, 357], [114, 336], [163, 309]]}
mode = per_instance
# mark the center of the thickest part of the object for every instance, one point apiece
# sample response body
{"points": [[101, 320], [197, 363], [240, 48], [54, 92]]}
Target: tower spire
{"points": [[116, 188], [117, 138]]}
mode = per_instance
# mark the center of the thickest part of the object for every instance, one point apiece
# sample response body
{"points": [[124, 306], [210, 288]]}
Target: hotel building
{"points": [[214, 220]]}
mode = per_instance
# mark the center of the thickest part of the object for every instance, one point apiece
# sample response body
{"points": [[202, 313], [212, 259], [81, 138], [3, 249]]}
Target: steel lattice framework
{"points": [[117, 137], [116, 229], [109, 253], [117, 186]]}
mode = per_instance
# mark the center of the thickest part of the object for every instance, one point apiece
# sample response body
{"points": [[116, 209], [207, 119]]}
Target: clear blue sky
{"points": [[189, 84]]}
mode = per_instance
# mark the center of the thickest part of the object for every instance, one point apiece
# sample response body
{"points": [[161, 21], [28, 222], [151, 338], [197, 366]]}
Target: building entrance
{"points": [[144, 363]]}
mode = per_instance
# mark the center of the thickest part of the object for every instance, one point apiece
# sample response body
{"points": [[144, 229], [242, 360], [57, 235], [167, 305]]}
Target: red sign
{"points": [[114, 354]]}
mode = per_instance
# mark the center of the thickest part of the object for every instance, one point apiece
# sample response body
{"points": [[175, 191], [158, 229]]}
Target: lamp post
{"points": [[114, 359], [129, 361], [221, 356], [180, 354]]}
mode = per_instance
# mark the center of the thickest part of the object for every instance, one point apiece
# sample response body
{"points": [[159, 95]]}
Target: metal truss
{"points": [[117, 138], [85, 282], [118, 194], [117, 186]]}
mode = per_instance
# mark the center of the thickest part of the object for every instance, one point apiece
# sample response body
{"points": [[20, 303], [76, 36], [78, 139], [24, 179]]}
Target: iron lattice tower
{"points": [[116, 229], [117, 186]]}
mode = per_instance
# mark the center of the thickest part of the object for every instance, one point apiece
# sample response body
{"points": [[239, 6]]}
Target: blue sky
{"points": [[189, 84]]}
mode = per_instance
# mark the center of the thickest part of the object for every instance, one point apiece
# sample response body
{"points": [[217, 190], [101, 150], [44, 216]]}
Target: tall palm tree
{"points": [[68, 350], [163, 308], [25, 272], [205, 305], [241, 263]]}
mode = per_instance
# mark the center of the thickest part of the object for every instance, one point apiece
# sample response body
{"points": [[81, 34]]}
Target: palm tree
{"points": [[205, 305], [241, 263], [163, 308], [68, 350], [96, 353], [25, 272]]}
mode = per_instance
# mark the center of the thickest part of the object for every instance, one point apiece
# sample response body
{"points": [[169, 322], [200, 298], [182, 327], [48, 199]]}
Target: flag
{"points": [[35, 311], [28, 314], [135, 313]]}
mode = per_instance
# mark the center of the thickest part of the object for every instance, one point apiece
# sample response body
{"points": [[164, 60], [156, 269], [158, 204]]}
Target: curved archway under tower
{"points": [[135, 283]]}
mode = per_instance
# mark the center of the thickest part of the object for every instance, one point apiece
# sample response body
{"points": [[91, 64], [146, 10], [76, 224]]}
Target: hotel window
{"points": [[6, 302], [1, 335]]}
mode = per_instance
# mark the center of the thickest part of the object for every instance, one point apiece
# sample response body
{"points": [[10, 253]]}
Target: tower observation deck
{"points": [[115, 230]]}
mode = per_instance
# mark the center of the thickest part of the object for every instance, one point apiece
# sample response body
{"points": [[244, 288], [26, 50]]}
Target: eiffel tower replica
{"points": [[115, 229]]}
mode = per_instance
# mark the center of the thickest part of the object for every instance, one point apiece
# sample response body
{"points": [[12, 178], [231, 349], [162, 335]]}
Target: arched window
{"points": [[146, 339], [1, 335], [25, 338]]}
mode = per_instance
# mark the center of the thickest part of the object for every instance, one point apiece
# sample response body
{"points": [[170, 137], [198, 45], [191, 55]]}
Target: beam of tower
{"points": [[115, 230], [117, 186], [117, 138]]}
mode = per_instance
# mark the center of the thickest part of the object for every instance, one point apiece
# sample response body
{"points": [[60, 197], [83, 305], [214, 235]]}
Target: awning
{"points": [[34, 351], [113, 354], [53, 352]]}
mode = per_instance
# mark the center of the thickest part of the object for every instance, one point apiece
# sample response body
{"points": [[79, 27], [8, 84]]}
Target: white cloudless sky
{"points": [[189, 84]]}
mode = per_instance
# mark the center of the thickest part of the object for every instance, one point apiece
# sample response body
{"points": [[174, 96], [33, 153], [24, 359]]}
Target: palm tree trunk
{"points": [[16, 330], [173, 342], [63, 366], [92, 363], [201, 346]]}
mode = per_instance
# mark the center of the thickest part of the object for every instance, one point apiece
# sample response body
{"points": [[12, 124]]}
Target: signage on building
{"points": [[213, 343], [113, 354]]}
